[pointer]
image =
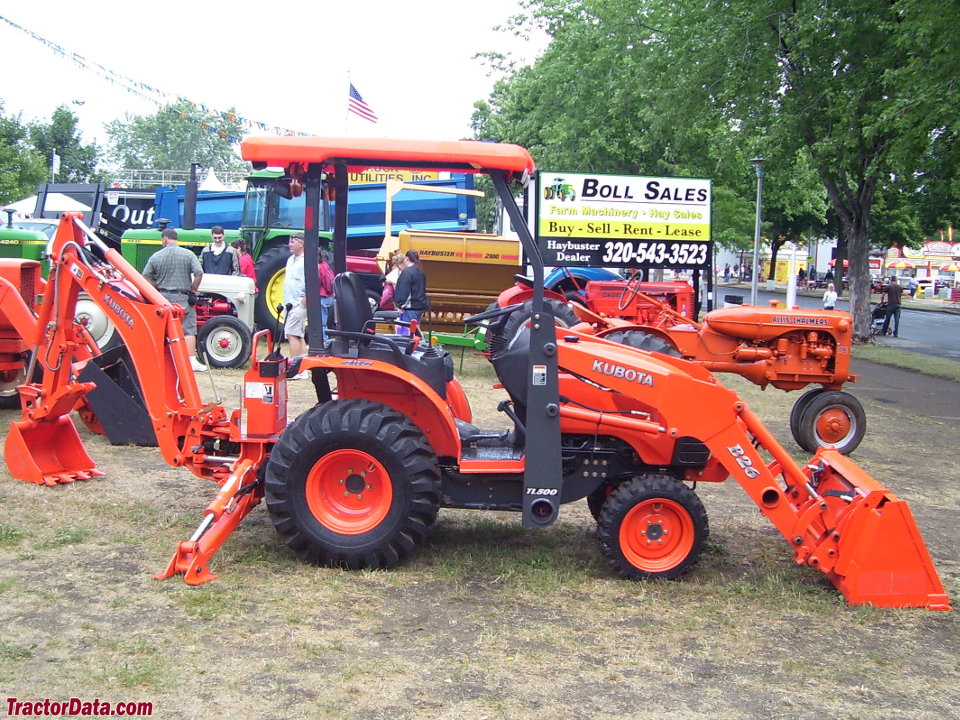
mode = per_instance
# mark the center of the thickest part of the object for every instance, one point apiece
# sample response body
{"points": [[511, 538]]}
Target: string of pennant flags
{"points": [[159, 97]]}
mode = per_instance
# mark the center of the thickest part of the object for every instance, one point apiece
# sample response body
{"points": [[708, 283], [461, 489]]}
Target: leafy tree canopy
{"points": [[22, 168], [173, 138], [78, 163]]}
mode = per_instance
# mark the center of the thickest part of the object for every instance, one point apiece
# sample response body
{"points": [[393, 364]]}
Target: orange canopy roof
{"points": [[359, 153]]}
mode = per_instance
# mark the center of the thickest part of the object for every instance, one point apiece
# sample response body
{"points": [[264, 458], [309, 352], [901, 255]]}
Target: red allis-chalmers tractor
{"points": [[358, 480], [788, 349]]}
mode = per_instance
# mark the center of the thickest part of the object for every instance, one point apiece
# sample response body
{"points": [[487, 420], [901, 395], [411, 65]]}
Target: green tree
{"points": [[21, 167], [78, 162], [603, 98], [173, 138], [859, 90]]}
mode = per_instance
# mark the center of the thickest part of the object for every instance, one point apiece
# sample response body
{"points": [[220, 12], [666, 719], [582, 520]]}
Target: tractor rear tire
{"points": [[352, 484], [10, 380], [832, 419], [226, 341], [653, 527], [563, 315], [102, 330], [643, 341], [271, 270]]}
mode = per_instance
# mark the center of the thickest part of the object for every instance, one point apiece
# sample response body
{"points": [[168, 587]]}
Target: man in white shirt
{"points": [[295, 298]]}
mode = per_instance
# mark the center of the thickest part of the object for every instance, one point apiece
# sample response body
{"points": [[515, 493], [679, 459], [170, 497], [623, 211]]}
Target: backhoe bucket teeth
{"points": [[47, 452], [872, 550]]}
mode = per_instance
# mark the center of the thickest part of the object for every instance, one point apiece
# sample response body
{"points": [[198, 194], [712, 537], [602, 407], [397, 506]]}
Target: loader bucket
{"points": [[877, 554], [47, 452]]}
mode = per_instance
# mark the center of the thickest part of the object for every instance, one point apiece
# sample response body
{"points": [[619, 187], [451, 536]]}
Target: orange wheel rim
{"points": [[656, 535], [349, 492], [833, 425]]}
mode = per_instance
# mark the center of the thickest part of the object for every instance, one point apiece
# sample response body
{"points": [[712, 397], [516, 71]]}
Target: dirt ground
{"points": [[488, 620]]}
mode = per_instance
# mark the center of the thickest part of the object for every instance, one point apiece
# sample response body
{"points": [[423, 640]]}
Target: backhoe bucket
{"points": [[47, 452], [872, 550]]}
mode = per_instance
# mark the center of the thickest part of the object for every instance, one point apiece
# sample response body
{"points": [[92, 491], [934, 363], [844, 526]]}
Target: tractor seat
{"points": [[355, 336]]}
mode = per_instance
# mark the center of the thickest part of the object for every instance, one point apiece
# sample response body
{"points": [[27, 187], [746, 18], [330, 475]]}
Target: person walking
{"points": [[893, 294], [295, 297], [830, 297], [245, 260], [218, 258], [411, 292], [326, 292], [176, 273]]}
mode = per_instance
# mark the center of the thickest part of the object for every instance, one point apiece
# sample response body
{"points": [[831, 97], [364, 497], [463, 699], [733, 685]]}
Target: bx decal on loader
{"points": [[358, 480]]}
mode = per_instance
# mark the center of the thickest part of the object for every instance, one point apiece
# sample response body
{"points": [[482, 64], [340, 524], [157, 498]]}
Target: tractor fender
{"points": [[521, 293], [386, 383]]}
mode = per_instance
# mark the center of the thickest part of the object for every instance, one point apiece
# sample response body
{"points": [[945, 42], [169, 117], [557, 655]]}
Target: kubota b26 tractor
{"points": [[358, 480]]}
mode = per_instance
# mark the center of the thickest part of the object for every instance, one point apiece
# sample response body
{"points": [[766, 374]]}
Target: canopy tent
{"points": [[56, 202], [212, 182], [901, 265]]}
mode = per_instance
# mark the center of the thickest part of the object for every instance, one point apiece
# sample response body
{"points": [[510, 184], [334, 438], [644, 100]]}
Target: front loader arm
{"points": [[836, 517]]}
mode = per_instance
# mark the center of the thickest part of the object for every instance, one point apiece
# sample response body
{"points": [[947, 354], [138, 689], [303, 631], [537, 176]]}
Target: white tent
{"points": [[56, 202], [212, 182]]}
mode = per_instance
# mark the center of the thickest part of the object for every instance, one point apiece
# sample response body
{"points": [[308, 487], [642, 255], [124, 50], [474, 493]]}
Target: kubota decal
{"points": [[618, 371], [121, 313]]}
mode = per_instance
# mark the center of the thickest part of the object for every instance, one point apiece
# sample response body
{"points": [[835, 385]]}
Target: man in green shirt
{"points": [[176, 273]]}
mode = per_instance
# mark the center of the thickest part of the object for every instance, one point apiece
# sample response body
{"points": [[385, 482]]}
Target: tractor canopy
{"points": [[359, 154]]}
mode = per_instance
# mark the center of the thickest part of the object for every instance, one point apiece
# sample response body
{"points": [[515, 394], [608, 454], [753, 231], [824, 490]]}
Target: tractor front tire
{"points": [[796, 414], [226, 341], [832, 419], [652, 527], [352, 484]]}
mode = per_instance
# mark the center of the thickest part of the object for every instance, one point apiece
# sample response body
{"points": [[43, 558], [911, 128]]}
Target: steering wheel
{"points": [[491, 314], [630, 291]]}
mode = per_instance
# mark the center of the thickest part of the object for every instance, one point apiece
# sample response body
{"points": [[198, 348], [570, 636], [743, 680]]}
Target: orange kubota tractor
{"points": [[358, 480], [786, 348]]}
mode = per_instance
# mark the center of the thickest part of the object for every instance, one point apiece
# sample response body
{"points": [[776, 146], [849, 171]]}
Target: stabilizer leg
{"points": [[221, 518]]}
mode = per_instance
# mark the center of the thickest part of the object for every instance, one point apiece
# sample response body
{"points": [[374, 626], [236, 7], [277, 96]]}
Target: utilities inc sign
{"points": [[623, 220]]}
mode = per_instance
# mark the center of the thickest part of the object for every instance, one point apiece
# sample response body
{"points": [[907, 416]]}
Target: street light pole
{"points": [[757, 162]]}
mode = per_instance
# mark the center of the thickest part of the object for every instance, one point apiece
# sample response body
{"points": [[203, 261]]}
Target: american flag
{"points": [[358, 106]]}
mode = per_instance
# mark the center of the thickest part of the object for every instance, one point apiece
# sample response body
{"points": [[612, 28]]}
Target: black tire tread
{"points": [[643, 341]]}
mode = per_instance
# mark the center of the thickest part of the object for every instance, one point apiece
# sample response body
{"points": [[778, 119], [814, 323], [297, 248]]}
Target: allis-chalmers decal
{"points": [[784, 320], [618, 371]]}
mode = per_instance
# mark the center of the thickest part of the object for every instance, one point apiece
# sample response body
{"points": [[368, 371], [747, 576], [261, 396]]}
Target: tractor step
{"points": [[503, 453]]}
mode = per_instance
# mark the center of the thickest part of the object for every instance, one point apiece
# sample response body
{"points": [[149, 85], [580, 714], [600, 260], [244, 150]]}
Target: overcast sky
{"points": [[284, 64]]}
